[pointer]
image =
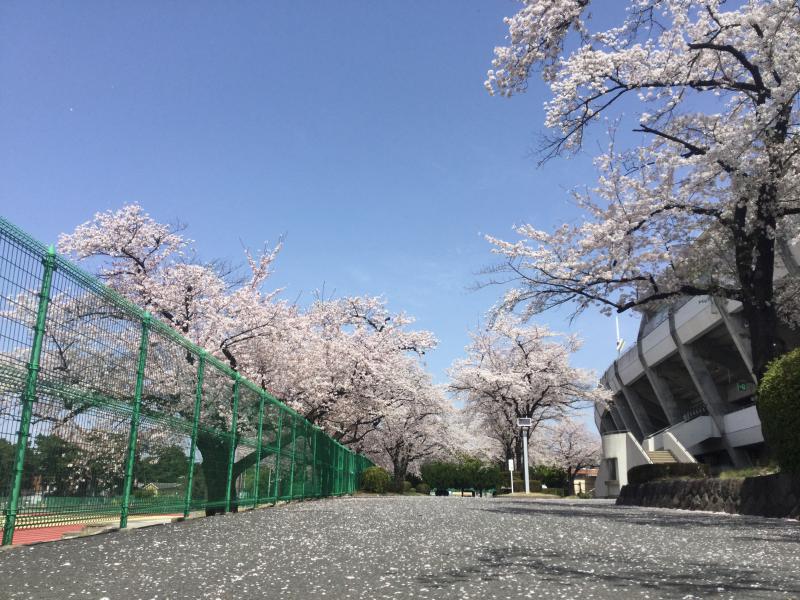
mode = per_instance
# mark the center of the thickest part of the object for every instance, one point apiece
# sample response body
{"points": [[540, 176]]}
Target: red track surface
{"points": [[53, 533], [43, 534]]}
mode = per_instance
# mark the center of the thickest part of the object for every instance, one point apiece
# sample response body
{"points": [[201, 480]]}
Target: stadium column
{"points": [[29, 395], [660, 387], [198, 399], [708, 392], [133, 435]]}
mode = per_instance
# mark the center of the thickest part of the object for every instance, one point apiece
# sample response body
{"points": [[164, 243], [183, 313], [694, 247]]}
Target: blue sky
{"points": [[360, 130]]}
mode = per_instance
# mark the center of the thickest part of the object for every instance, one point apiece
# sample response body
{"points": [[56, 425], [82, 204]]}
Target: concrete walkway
{"points": [[421, 547]]}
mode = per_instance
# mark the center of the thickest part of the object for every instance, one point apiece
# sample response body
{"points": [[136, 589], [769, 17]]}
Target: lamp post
{"points": [[524, 424]]}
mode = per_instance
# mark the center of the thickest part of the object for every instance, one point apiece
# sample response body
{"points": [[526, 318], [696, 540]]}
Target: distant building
{"points": [[160, 489], [684, 392], [584, 481]]}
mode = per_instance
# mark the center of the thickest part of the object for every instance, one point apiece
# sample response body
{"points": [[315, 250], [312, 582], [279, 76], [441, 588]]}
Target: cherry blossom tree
{"points": [[340, 363], [154, 266], [414, 426], [515, 370], [568, 445], [347, 365], [469, 434], [364, 347], [707, 202]]}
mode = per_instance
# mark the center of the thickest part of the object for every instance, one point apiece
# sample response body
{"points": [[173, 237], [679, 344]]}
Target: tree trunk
{"points": [[570, 488], [520, 458], [215, 454], [758, 305], [755, 264], [764, 344], [509, 450], [400, 469]]}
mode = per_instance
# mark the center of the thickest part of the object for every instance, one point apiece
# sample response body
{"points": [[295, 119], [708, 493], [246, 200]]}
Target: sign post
{"points": [[524, 424], [511, 472]]}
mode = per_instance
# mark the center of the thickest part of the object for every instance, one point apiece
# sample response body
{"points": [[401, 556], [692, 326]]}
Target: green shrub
{"points": [[415, 480], [400, 488], [501, 490], [394, 487], [465, 473], [423, 488], [489, 477], [645, 473], [552, 477], [779, 410], [375, 480], [553, 491], [439, 475]]}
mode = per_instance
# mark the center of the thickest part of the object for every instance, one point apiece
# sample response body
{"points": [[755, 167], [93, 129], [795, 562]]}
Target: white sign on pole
{"points": [[510, 464], [524, 422]]}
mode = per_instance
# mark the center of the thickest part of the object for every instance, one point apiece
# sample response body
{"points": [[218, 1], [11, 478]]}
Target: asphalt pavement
{"points": [[421, 547]]}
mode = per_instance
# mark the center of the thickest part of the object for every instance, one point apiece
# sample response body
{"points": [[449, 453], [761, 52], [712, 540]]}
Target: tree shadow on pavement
{"points": [[778, 529], [555, 570]]}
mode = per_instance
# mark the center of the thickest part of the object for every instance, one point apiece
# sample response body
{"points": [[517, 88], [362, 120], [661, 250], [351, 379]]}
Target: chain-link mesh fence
{"points": [[106, 413]]}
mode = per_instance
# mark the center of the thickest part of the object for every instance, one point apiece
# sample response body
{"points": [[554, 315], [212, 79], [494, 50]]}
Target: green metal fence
{"points": [[106, 412]]}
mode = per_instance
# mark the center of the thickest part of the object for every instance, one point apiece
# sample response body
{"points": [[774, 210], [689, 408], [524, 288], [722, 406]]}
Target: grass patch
{"points": [[748, 472]]}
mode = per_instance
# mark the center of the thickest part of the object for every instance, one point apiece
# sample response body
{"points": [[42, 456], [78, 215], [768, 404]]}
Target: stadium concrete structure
{"points": [[685, 392]]}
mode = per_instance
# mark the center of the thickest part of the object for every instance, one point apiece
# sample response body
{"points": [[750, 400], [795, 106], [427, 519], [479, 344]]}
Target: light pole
{"points": [[524, 423]]}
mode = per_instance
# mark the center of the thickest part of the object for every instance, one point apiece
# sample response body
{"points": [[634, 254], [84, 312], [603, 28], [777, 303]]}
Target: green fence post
{"points": [[232, 452], [278, 457], [258, 449], [133, 435], [330, 488], [294, 452], [336, 470], [342, 474], [314, 478], [334, 458], [198, 399], [304, 470], [341, 470], [29, 395], [350, 473], [345, 475]]}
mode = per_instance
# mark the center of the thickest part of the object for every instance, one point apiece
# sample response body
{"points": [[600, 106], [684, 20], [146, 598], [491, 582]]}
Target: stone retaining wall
{"points": [[767, 496]]}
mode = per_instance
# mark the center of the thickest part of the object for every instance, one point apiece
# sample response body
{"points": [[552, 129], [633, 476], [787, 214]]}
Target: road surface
{"points": [[421, 547]]}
